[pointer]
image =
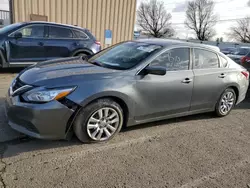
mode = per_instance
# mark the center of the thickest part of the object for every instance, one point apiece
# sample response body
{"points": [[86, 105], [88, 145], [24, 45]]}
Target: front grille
{"points": [[17, 85]]}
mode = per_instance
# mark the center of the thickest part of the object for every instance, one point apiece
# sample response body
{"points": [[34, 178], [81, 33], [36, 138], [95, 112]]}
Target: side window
{"points": [[173, 60], [59, 32], [223, 61], [80, 34], [205, 59], [34, 31]]}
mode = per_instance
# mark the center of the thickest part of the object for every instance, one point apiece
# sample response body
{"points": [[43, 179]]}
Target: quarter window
{"points": [[60, 32], [223, 61], [173, 60], [80, 34], [205, 59], [34, 31]]}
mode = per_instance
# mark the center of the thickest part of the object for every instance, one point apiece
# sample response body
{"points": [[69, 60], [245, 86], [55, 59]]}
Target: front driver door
{"points": [[160, 96], [29, 48]]}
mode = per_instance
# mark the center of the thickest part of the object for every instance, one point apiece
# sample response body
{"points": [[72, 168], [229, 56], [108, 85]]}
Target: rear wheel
{"points": [[226, 102], [81, 54], [99, 121]]}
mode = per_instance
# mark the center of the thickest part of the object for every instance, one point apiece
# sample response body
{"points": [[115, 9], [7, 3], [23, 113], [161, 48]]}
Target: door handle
{"points": [[187, 80], [40, 43], [222, 75]]}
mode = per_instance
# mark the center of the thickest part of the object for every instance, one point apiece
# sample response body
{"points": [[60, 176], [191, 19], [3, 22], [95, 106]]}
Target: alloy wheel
{"points": [[226, 102], [103, 123]]}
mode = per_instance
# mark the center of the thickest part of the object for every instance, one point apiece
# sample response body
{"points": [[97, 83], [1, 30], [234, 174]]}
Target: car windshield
{"points": [[242, 51], [125, 55], [9, 28]]}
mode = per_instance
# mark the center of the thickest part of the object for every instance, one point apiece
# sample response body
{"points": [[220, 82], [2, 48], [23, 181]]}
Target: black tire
{"points": [[80, 124], [81, 54], [218, 110]]}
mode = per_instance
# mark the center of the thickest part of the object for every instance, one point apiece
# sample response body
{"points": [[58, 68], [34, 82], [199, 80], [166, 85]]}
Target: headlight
{"points": [[47, 95]]}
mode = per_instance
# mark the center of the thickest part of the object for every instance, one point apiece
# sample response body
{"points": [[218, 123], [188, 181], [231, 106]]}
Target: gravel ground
{"points": [[193, 151]]}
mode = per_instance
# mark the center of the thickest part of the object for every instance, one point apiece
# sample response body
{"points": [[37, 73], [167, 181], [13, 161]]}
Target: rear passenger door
{"points": [[208, 79], [60, 42]]}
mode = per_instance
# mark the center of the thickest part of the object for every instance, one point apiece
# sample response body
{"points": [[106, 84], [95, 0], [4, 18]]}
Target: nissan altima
{"points": [[126, 84]]}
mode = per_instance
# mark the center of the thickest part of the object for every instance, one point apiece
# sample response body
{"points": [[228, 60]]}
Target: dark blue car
{"points": [[22, 44]]}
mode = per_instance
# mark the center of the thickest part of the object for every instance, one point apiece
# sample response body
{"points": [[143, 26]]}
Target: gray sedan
{"points": [[129, 83]]}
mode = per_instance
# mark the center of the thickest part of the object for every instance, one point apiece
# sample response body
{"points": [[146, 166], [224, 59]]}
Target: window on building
{"points": [[174, 60], [205, 59], [59, 32]]}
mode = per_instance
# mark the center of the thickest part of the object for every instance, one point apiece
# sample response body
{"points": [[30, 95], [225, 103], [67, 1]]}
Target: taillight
{"points": [[246, 74], [98, 43]]}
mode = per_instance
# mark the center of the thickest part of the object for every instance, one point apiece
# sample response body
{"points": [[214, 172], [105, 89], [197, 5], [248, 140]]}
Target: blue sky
{"points": [[227, 10]]}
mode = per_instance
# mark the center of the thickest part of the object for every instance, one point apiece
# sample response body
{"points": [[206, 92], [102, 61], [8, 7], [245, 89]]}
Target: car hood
{"points": [[64, 70]]}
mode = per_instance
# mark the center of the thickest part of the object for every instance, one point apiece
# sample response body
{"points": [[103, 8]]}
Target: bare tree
{"points": [[153, 18], [200, 17], [241, 31]]}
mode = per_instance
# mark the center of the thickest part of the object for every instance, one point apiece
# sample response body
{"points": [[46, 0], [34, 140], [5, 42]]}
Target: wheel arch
{"points": [[118, 99], [121, 101], [83, 50], [236, 90]]}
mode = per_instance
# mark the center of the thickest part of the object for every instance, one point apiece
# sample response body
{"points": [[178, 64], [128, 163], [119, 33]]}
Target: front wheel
{"points": [[99, 121], [226, 102]]}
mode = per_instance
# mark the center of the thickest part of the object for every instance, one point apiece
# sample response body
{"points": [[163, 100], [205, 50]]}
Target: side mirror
{"points": [[18, 35], [156, 70]]}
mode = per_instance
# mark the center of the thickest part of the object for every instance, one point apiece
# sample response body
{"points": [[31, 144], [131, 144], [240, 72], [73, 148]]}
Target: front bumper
{"points": [[44, 121]]}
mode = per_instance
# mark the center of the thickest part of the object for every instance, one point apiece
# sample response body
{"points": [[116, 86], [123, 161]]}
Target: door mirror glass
{"points": [[156, 70], [18, 35]]}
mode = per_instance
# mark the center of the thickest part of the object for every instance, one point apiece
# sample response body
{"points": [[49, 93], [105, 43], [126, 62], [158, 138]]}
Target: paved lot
{"points": [[194, 151]]}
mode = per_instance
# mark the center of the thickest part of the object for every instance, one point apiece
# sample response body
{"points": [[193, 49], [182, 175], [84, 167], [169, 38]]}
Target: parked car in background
{"points": [[23, 44], [229, 50], [130, 83], [241, 52], [245, 61]]}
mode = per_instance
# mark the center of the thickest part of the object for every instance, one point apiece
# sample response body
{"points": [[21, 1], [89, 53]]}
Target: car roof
{"points": [[246, 47], [53, 23], [169, 42]]}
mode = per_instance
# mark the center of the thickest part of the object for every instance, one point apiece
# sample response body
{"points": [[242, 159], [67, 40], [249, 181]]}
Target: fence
{"points": [[4, 17]]}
